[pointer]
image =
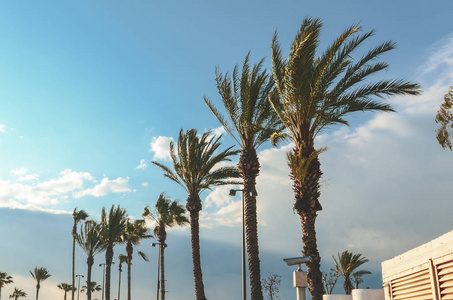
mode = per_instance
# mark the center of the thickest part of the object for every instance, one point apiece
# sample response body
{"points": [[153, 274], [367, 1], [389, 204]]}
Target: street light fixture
{"points": [[78, 286], [254, 194]]}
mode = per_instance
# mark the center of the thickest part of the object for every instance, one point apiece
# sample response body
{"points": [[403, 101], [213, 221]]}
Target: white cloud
{"points": [[218, 197], [2, 128], [28, 177], [218, 131], [161, 147], [145, 184], [119, 185], [19, 171], [143, 165]]}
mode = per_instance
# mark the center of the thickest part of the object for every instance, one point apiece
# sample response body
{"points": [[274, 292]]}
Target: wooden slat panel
{"points": [[443, 270], [405, 278], [416, 286]]}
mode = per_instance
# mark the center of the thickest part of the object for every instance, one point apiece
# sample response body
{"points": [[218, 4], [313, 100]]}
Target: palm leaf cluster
{"points": [[345, 265]]}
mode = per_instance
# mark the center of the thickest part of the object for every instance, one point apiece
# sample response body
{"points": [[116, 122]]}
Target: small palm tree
{"points": [[251, 121], [17, 293], [66, 287], [121, 259], [112, 229], [166, 215], [134, 233], [77, 216], [315, 92], [5, 279], [90, 241], [345, 265], [94, 287], [358, 277], [39, 274], [194, 170]]}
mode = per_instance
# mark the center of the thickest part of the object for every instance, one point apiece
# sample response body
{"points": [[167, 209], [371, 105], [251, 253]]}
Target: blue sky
{"points": [[92, 89]]}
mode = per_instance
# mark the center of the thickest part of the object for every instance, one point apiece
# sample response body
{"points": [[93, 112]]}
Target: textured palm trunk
{"points": [[347, 285], [108, 270], [307, 205], [194, 207], [74, 234], [90, 262], [129, 250], [162, 270], [37, 290], [249, 169]]}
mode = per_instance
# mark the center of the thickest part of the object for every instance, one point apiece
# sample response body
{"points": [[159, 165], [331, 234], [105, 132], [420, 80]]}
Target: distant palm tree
{"points": [[90, 241], [94, 287], [195, 169], [345, 265], [166, 215], [112, 228], [5, 279], [132, 236], [358, 277], [315, 92], [39, 274], [66, 287], [121, 259], [251, 121], [77, 216], [17, 294]]}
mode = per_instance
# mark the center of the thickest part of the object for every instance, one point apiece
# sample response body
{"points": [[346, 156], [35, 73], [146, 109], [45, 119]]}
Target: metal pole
{"points": [[244, 296], [103, 279], [78, 286]]}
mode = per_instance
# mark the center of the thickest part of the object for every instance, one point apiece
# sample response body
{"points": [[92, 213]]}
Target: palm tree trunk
{"points": [[0, 293], [162, 270], [307, 204], [108, 270], [65, 295], [129, 250], [347, 285], [90, 262], [74, 233], [249, 170], [195, 238], [37, 291]]}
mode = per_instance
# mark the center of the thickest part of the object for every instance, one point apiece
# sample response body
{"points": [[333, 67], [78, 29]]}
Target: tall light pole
{"points": [[158, 269], [103, 278], [252, 193], [78, 286]]}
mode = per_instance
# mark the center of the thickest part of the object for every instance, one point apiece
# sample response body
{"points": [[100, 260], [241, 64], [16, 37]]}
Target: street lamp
{"points": [[254, 194], [78, 287], [158, 270], [103, 279]]}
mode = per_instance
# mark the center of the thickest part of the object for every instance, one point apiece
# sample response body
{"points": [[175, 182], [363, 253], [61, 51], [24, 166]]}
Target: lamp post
{"points": [[252, 193], [158, 270], [78, 286], [103, 278]]}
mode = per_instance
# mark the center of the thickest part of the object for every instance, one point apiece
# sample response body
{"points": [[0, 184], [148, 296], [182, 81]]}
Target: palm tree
{"points": [[39, 274], [251, 122], [313, 92], [121, 259], [90, 241], [77, 216], [166, 215], [94, 287], [112, 228], [134, 233], [358, 277], [193, 170], [17, 293], [345, 266], [5, 279], [66, 287]]}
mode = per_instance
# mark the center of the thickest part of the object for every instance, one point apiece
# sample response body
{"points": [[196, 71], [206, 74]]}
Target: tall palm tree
{"points": [[251, 121], [112, 228], [90, 241], [17, 293], [77, 216], [39, 274], [121, 259], [5, 279], [167, 214], [313, 92], [345, 266], [94, 287], [66, 287], [194, 170], [132, 236]]}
